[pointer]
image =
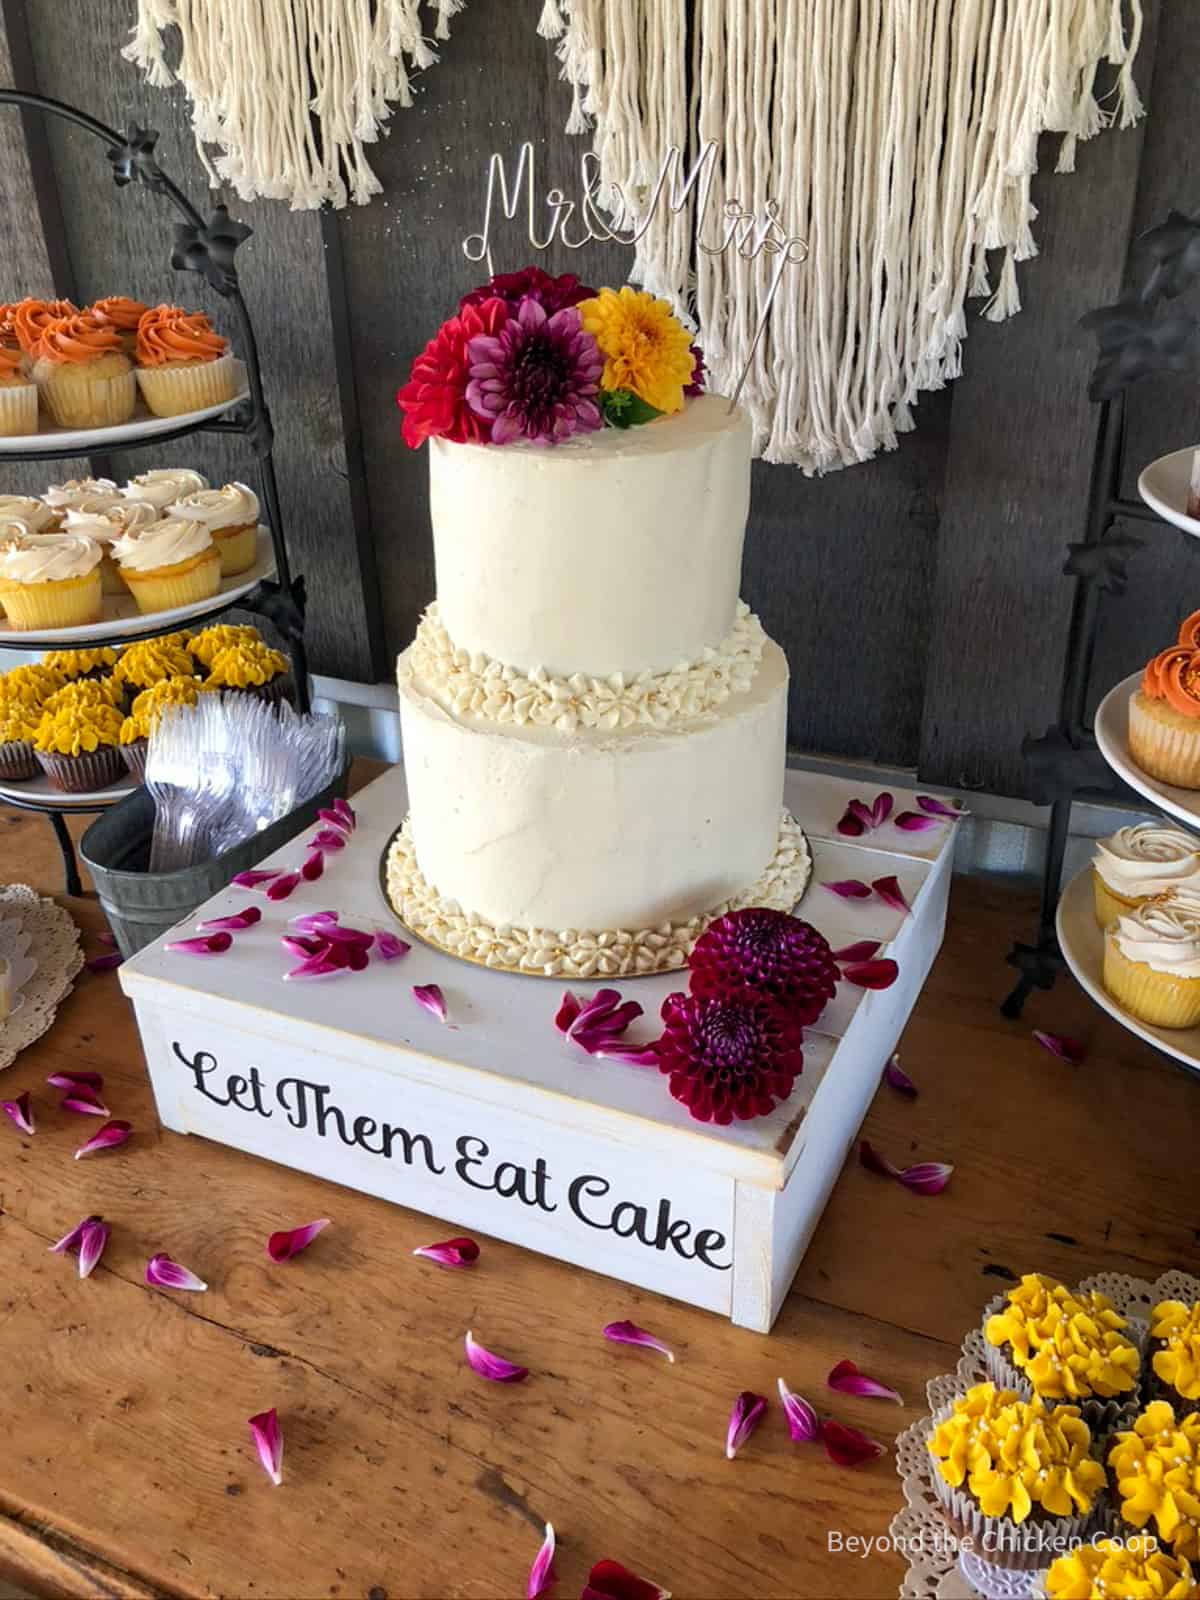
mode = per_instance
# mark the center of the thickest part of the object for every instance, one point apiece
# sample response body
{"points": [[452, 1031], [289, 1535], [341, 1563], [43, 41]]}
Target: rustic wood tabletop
{"points": [[127, 1468]]}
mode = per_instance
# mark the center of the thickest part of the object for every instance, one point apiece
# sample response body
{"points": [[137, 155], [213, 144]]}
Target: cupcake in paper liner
{"points": [[1152, 961], [1141, 863], [84, 377], [28, 319], [18, 725], [231, 516], [1121, 1569], [106, 527], [1175, 1353], [145, 712], [1154, 1467], [122, 315], [251, 668], [18, 394], [1017, 1477], [78, 746], [152, 661], [50, 580], [207, 645], [168, 564], [1164, 714], [182, 362]]}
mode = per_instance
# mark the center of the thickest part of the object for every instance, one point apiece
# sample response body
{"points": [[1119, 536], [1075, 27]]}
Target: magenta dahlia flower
{"points": [[727, 1056], [695, 384], [552, 293], [537, 377], [769, 951]]}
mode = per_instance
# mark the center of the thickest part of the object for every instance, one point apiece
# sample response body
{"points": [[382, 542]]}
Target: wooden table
{"points": [[126, 1467]]}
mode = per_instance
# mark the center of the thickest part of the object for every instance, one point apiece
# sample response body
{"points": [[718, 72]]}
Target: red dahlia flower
{"points": [[727, 1056], [768, 951], [553, 294], [434, 400]]}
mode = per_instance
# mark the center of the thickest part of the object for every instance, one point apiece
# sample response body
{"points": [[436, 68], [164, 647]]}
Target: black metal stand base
{"points": [[71, 883]]}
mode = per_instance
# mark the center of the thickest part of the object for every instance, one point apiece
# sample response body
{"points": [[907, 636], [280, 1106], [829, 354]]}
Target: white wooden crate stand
{"points": [[497, 1123]]}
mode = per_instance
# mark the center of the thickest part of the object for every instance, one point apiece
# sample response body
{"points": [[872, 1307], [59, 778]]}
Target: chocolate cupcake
{"points": [[71, 665], [78, 746], [145, 712], [152, 661], [251, 668], [18, 724], [1113, 1569]]}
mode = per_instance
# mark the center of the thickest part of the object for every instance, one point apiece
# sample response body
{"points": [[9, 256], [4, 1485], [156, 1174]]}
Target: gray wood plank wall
{"points": [[919, 597]]}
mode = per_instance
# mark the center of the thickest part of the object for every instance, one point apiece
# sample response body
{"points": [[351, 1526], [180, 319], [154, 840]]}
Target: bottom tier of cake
{"points": [[576, 952]]}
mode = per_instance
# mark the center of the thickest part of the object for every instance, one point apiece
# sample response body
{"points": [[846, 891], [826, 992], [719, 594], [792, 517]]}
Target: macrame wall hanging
{"points": [[900, 137], [287, 93]]}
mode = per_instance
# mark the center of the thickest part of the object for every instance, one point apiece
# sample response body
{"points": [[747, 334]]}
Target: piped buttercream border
{"points": [[471, 683], [539, 952]]}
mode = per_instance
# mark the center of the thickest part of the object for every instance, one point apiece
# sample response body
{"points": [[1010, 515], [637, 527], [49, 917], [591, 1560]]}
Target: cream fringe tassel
{"points": [[900, 137], [288, 92]]}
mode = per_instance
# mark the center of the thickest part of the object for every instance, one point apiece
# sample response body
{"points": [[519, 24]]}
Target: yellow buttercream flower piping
{"points": [[245, 666], [77, 728], [1157, 1468], [1135, 1569], [18, 722], [29, 684], [1067, 1343], [645, 347], [1177, 1327], [152, 660], [207, 644], [152, 702], [74, 663], [85, 692]]}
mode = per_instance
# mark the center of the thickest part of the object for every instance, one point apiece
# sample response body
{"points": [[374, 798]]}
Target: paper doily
{"points": [[919, 1531], [53, 948], [14, 949]]}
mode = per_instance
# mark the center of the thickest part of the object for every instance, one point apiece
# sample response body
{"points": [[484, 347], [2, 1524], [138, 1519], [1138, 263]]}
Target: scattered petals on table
{"points": [[314, 866], [872, 974], [862, 950], [163, 1273], [896, 1078], [268, 1441], [450, 1253], [541, 1574], [492, 1367], [86, 1240], [106, 1138], [609, 1580], [859, 818], [939, 808], [431, 997], [630, 1333], [596, 1025], [204, 944], [748, 1411], [289, 1242], [925, 1177], [20, 1111], [1073, 1051], [846, 1447], [254, 877], [71, 1081], [847, 1379], [345, 813], [801, 1418], [85, 1104], [889, 891], [327, 839], [389, 947], [280, 888], [108, 962], [849, 889], [235, 922], [917, 822]]}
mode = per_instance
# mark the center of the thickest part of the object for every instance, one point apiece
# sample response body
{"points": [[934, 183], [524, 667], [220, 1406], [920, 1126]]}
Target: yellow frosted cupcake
{"points": [[1175, 1341], [1152, 961], [1062, 1344], [18, 393], [50, 580], [145, 712], [182, 363], [1156, 1467], [231, 515], [209, 642], [18, 725], [161, 486], [150, 661], [71, 664], [106, 527], [84, 377], [86, 692], [78, 746], [1121, 1569], [30, 684], [169, 563], [1141, 863], [252, 668]]}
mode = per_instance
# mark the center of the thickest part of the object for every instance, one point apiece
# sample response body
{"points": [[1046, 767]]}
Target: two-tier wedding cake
{"points": [[593, 722]]}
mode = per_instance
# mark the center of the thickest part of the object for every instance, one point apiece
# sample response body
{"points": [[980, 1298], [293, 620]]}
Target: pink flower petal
{"points": [[92, 1240], [896, 1078], [889, 891], [847, 1379], [205, 944], [289, 1242], [870, 1158], [303, 945], [70, 1241], [855, 820], [390, 948], [862, 951], [312, 921], [335, 820], [106, 1138], [345, 813], [495, 1368], [280, 888], [85, 1105], [327, 839], [21, 1111], [609, 1580], [1066, 1049], [603, 1014], [916, 822], [541, 1574], [234, 923], [450, 1253], [315, 967], [340, 933], [846, 1447], [431, 997], [253, 876], [72, 1082], [106, 937], [872, 974], [748, 1411], [163, 1273], [801, 1418], [849, 889], [268, 1441], [631, 1056], [314, 866], [569, 1008], [927, 1177], [630, 1333], [109, 962], [938, 808], [881, 810]]}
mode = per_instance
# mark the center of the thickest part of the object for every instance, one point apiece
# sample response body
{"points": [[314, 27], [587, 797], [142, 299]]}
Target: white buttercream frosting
{"points": [[35, 516], [232, 506], [475, 685], [162, 544], [48, 558], [84, 494], [107, 526], [616, 551], [1148, 858], [161, 486], [577, 953], [1164, 934]]}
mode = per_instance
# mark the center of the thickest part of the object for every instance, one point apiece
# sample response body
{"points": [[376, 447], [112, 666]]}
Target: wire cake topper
{"points": [[573, 224]]}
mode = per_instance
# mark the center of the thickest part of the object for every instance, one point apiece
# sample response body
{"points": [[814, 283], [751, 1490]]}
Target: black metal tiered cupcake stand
{"points": [[207, 248]]}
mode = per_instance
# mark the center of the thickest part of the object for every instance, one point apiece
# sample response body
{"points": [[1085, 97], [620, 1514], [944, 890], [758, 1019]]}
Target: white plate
{"points": [[142, 425], [1112, 736], [121, 616], [1163, 485], [1082, 943], [41, 790]]}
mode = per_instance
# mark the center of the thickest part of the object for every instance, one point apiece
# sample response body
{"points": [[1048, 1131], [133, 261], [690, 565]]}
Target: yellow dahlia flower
{"points": [[645, 347]]}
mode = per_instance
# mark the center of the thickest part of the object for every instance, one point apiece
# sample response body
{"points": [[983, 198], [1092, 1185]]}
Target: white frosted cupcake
{"points": [[50, 580], [231, 516], [1152, 961], [106, 527], [169, 563], [161, 486], [35, 515], [82, 494], [1141, 863]]}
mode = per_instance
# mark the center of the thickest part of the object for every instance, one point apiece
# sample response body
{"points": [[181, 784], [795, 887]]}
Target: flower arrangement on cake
{"points": [[528, 357]]}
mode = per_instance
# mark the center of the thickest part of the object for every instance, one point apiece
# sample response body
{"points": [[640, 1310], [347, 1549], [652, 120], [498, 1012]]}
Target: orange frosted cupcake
{"points": [[1164, 715], [231, 515], [30, 318], [182, 363], [18, 393], [85, 378], [170, 563], [122, 315]]}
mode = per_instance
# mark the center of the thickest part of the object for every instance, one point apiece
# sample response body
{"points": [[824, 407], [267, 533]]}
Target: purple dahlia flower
{"points": [[537, 377], [770, 951], [727, 1056]]}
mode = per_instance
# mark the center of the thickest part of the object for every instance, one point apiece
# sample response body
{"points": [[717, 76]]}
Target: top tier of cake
{"points": [[616, 551]]}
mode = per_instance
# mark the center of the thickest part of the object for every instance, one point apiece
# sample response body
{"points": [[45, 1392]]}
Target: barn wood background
{"points": [[919, 597]]}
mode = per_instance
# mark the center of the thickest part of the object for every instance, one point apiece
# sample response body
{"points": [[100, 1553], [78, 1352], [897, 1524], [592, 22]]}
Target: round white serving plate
{"points": [[1163, 485], [121, 616], [142, 425], [41, 792], [1081, 940], [1112, 735]]}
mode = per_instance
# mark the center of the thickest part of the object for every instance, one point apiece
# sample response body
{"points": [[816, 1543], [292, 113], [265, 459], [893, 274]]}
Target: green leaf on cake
{"points": [[621, 408]]}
